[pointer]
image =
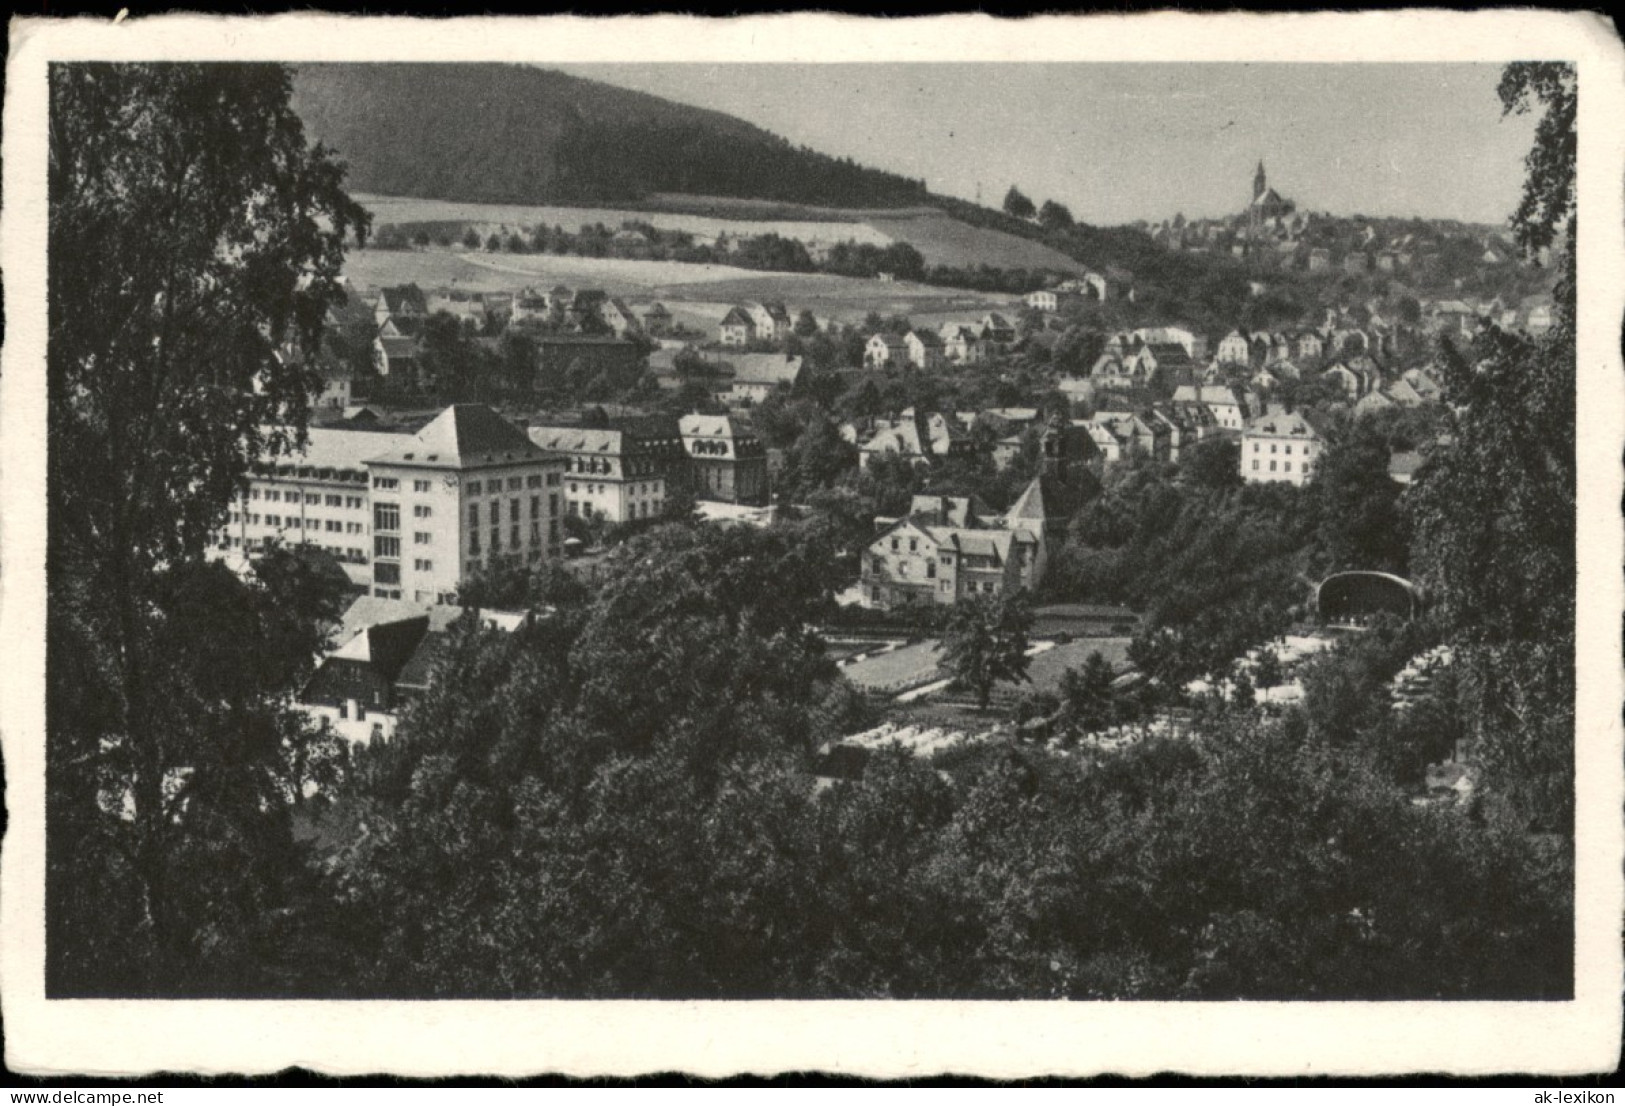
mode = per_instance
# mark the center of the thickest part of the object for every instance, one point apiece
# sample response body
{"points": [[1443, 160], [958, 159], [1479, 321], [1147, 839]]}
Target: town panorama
{"points": [[513, 535]]}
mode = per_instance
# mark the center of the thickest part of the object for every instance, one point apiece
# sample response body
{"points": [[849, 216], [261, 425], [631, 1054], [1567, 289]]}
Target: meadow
{"points": [[941, 239], [697, 294]]}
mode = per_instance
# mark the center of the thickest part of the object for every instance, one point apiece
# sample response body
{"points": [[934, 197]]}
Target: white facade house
{"points": [[1279, 447]]}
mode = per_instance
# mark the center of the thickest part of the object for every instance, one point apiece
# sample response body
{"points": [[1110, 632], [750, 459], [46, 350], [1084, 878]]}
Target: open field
{"points": [[941, 239], [478, 271], [507, 217], [697, 294]]}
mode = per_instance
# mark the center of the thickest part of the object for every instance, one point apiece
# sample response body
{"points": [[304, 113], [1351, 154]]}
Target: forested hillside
{"points": [[517, 134]]}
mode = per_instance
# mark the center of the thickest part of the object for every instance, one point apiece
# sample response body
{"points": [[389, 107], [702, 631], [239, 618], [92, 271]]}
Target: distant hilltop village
{"points": [[1271, 231]]}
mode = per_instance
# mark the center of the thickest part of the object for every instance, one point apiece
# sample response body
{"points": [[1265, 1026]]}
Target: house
{"points": [[1228, 407], [619, 317], [1453, 318], [1194, 422], [404, 304], [1307, 346], [587, 308], [997, 331], [728, 460], [1007, 451], [1319, 260], [405, 514], [1075, 388], [924, 349], [614, 473], [530, 307], [916, 561], [885, 350], [1235, 348], [1161, 360], [1108, 447], [1279, 447], [962, 343], [943, 510], [1372, 402], [1350, 340], [498, 306], [1404, 394], [1169, 421], [395, 355], [336, 381], [1195, 345], [738, 327], [1051, 300], [1357, 376], [772, 321], [1112, 371], [657, 321], [917, 436], [386, 655], [1009, 420], [1425, 383], [758, 375], [1134, 434], [462, 305]]}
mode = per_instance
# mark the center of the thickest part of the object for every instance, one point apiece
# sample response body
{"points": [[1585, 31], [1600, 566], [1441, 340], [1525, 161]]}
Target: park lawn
{"points": [[1047, 667], [907, 665]]}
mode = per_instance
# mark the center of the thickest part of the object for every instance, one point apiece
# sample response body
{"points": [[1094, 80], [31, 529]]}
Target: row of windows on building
{"points": [[343, 553], [494, 486], [311, 499], [295, 522], [642, 509], [600, 489], [1287, 450], [1286, 466], [514, 544]]}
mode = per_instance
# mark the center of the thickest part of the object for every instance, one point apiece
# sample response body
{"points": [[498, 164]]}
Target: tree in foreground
{"points": [[194, 238], [1494, 513], [986, 643]]}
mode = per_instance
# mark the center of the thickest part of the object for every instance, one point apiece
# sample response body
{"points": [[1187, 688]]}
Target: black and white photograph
{"points": [[930, 533]]}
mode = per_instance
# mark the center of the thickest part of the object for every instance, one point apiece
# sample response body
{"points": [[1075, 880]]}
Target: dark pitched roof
{"points": [[462, 435], [415, 673]]}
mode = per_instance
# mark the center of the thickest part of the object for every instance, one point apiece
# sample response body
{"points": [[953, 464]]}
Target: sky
{"points": [[1117, 143]]}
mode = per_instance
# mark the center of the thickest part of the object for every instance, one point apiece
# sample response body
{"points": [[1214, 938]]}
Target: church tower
{"points": [[1260, 186]]}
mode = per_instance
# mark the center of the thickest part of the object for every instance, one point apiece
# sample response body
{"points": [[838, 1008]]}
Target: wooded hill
{"points": [[518, 134]]}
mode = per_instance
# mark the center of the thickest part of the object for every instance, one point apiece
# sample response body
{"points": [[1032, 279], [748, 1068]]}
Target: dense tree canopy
{"points": [[195, 245], [1494, 512]]}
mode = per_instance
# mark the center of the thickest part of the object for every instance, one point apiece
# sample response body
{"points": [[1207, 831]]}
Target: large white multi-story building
{"points": [[411, 516], [614, 474], [1279, 447]]}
